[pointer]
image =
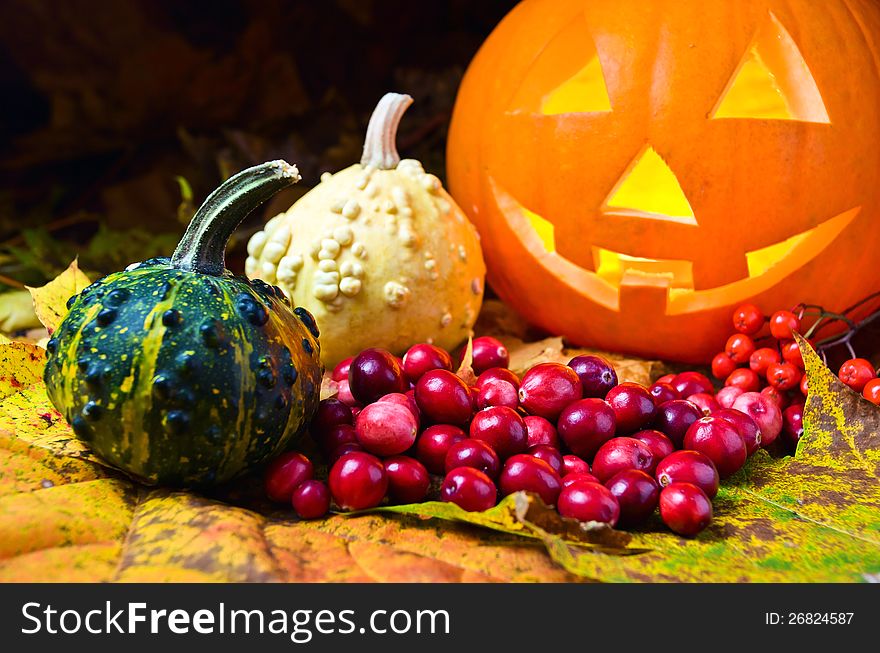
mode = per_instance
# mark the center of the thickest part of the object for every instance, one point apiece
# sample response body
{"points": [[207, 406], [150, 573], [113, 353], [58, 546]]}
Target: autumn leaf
{"points": [[50, 301]]}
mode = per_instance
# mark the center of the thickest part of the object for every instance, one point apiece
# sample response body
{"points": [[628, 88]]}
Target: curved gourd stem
{"points": [[203, 246], [380, 149]]}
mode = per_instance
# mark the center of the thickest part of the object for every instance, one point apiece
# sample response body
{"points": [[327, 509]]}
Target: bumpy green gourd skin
{"points": [[181, 378]]}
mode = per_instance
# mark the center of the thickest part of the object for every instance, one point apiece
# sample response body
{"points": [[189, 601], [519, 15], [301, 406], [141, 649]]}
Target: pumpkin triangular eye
{"points": [[649, 189], [772, 81], [566, 78]]}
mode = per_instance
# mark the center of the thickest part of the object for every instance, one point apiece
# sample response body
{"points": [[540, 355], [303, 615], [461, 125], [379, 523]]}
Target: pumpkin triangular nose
{"points": [[649, 189]]}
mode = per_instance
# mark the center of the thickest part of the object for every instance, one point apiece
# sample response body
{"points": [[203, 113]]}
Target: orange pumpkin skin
{"points": [[520, 148]]}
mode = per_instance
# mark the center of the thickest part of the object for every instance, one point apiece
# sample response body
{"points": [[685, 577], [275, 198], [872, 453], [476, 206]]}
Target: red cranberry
{"points": [[498, 393], [408, 479], [621, 453], [497, 374], [469, 489], [344, 449], [589, 502], [285, 473], [311, 499], [745, 426], [343, 393], [793, 424], [473, 453], [727, 395], [685, 508], [489, 353], [719, 440], [549, 455], [386, 428], [540, 431], [689, 467], [572, 464], [633, 407], [586, 425], [675, 417], [424, 358], [667, 378], [582, 477], [373, 373], [358, 481], [705, 402], [331, 412], [636, 493], [524, 472], [444, 398], [659, 444], [690, 383], [336, 436], [340, 372], [502, 428], [662, 392], [780, 397], [433, 444], [407, 400], [548, 388], [764, 411], [597, 375]]}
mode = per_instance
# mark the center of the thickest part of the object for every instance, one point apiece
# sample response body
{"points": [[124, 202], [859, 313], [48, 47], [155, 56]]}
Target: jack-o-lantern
{"points": [[638, 169]]}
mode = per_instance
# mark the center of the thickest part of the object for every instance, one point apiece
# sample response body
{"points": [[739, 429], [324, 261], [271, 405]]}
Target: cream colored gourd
{"points": [[379, 253]]}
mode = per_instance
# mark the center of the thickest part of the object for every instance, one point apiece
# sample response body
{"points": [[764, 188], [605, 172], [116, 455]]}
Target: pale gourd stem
{"points": [[380, 148], [203, 246]]}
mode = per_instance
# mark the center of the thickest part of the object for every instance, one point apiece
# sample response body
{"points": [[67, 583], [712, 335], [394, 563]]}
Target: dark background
{"points": [[105, 103]]}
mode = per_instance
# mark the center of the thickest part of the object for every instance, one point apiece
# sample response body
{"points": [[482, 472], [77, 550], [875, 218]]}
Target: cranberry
{"points": [[336, 436], [373, 373], [763, 358], [549, 455], [424, 358], [659, 444], [469, 489], [386, 428], [597, 375], [781, 398], [621, 453], [856, 373], [662, 392], [489, 353], [524, 472], [667, 378], [473, 453], [540, 431], [674, 418], [497, 374], [727, 395], [571, 464], [502, 428], [548, 388], [748, 319], [498, 393], [311, 499], [705, 402], [793, 425], [636, 494], [633, 407], [722, 365], [285, 473], [783, 324], [871, 391], [343, 449], [444, 398], [341, 370], [568, 479], [689, 467], [358, 481], [586, 425], [745, 379], [407, 400], [719, 440], [685, 508], [408, 479], [690, 383], [343, 393], [331, 412], [792, 354], [764, 411], [744, 425], [589, 502], [433, 444]]}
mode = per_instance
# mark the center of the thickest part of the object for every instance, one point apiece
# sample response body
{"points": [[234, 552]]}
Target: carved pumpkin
{"points": [[639, 169]]}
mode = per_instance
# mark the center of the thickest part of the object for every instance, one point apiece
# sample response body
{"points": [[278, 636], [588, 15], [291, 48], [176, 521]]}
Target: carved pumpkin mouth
{"points": [[668, 283]]}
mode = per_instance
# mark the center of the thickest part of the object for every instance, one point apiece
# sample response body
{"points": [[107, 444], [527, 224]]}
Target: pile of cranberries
{"points": [[596, 449]]}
